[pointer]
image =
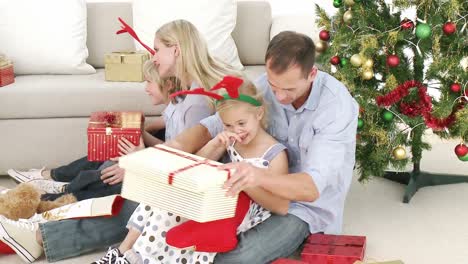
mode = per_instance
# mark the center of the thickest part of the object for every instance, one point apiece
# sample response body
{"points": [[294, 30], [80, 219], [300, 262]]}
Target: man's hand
{"points": [[244, 176], [112, 175], [127, 147]]}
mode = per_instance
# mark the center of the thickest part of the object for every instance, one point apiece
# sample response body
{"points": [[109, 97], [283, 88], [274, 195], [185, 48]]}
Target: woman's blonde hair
{"points": [[165, 85], [195, 62], [247, 88]]}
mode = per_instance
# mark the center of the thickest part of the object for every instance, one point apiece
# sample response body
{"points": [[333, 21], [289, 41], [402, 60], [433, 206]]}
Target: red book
{"points": [[105, 129], [333, 249]]}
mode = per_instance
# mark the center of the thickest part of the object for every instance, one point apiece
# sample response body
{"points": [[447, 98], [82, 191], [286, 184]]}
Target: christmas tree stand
{"points": [[418, 179]]}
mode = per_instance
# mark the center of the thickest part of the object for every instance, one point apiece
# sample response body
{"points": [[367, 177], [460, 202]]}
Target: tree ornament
{"points": [[321, 46], [356, 60], [343, 62], [324, 35], [449, 28], [406, 24], [337, 3], [387, 115], [393, 60], [455, 87], [360, 123], [461, 150], [335, 60], [367, 74], [348, 16], [423, 31], [463, 158], [399, 153], [368, 64], [349, 2]]}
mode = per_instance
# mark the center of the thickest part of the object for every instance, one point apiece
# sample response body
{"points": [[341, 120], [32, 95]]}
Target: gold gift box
{"points": [[125, 66]]}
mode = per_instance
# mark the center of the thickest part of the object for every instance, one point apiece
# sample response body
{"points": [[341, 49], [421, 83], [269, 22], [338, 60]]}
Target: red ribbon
{"points": [[172, 174]]}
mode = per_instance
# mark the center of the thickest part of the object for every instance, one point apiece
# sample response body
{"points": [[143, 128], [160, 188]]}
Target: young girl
{"points": [[244, 119]]}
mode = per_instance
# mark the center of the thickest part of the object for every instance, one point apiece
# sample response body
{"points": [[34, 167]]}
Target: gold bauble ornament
{"points": [[367, 74], [321, 46], [348, 16], [369, 63], [349, 2], [399, 153], [356, 60]]}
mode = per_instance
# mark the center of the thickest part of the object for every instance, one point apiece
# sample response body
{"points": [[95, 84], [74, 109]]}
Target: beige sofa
{"points": [[43, 118]]}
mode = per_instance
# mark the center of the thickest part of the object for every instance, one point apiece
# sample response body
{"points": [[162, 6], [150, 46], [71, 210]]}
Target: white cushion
{"points": [[45, 37], [214, 19]]}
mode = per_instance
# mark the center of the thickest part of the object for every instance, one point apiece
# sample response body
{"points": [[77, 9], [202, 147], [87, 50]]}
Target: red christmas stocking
{"points": [[5, 249], [214, 236]]}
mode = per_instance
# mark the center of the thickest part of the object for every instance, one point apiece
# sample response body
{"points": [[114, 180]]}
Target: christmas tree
{"points": [[388, 62]]}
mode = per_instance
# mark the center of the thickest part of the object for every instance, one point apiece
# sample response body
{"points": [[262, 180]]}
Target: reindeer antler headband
{"points": [[230, 84], [127, 29]]}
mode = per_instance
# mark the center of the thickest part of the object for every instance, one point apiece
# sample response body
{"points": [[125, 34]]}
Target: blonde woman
{"points": [[181, 52]]}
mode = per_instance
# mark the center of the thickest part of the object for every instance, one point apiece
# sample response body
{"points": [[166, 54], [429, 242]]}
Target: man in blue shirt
{"points": [[314, 115]]}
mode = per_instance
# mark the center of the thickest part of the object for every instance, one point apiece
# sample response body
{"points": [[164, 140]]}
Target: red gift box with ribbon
{"points": [[333, 249], [105, 129], [7, 75]]}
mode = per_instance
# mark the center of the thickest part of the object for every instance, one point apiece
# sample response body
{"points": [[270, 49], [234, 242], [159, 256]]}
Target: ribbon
{"points": [[199, 162]]}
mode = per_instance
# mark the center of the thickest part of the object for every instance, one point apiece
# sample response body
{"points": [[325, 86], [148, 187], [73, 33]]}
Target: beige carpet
{"points": [[431, 229]]}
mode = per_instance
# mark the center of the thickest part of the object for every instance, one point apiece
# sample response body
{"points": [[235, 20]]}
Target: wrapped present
{"points": [[105, 129], [7, 75], [288, 261], [333, 249], [125, 66], [178, 182]]}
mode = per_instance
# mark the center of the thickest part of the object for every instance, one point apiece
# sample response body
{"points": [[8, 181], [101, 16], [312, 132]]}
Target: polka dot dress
{"points": [[154, 223]]}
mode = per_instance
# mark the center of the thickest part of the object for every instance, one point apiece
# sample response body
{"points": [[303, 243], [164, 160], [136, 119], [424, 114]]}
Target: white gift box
{"points": [[178, 182]]}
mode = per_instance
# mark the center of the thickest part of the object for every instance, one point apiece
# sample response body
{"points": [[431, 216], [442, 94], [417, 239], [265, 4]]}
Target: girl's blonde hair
{"points": [[247, 88], [166, 85], [195, 62]]}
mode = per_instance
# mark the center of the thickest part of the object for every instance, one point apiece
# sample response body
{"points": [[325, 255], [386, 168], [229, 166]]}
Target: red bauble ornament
{"points": [[324, 35], [406, 24], [455, 87], [449, 28], [393, 60], [461, 150], [335, 60]]}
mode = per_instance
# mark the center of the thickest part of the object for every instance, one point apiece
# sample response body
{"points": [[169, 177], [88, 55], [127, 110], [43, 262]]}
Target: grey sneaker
{"points": [[21, 237], [25, 176], [48, 186], [110, 258]]}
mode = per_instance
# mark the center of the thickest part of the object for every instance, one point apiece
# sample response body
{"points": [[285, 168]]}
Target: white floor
{"points": [[431, 229]]}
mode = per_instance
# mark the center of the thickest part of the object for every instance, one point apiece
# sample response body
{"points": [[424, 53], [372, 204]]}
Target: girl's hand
{"points": [[225, 138], [127, 147]]}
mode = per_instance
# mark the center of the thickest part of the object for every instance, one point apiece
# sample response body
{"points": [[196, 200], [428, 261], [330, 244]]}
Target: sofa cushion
{"points": [[215, 23], [102, 25], [252, 31], [39, 39], [253, 72], [47, 96]]}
